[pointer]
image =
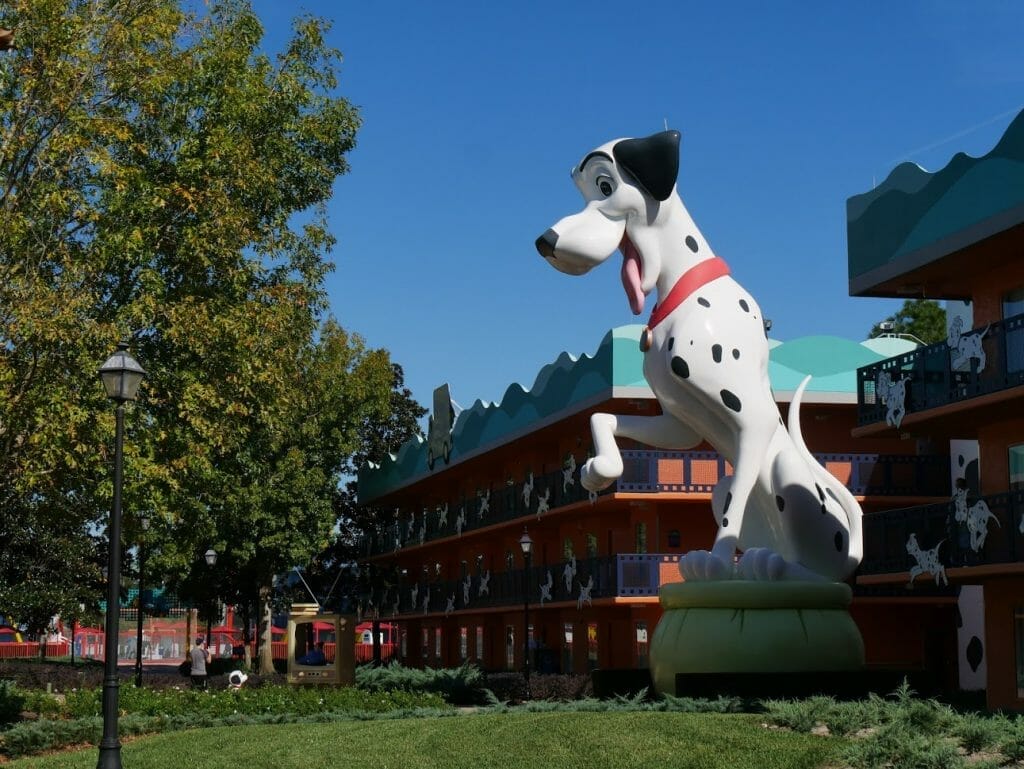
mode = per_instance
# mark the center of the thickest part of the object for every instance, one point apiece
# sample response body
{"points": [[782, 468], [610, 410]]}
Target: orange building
{"points": [[446, 566], [956, 234]]}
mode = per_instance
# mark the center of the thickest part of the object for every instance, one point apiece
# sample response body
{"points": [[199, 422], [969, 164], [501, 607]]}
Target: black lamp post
{"points": [[211, 561], [144, 524], [527, 545], [121, 376]]}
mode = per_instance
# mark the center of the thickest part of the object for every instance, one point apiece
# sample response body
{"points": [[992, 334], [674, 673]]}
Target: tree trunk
{"points": [[266, 654], [246, 608]]}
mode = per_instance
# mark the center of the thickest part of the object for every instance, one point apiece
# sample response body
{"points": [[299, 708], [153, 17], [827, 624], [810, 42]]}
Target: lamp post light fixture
{"points": [[143, 528], [211, 561], [527, 546], [121, 376]]}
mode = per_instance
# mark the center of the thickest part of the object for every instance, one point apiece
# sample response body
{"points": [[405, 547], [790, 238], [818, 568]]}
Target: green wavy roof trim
{"points": [[913, 209], [568, 383]]}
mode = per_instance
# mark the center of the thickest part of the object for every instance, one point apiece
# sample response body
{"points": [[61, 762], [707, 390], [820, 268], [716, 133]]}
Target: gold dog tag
{"points": [[646, 338]]}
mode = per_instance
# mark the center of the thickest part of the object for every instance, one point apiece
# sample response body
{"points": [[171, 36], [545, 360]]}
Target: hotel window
{"points": [[425, 642], [567, 647], [641, 644], [1016, 467], [674, 539], [591, 546], [1013, 304], [437, 643], [567, 549], [464, 643], [480, 643], [1018, 628], [591, 645], [510, 560], [641, 537], [510, 647], [403, 642]]}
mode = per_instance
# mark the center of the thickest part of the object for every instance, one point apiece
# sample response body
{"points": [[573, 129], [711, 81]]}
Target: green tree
{"points": [[153, 169], [924, 319]]}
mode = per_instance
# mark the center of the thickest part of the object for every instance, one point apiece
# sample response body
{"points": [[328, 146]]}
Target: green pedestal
{"points": [[738, 626]]}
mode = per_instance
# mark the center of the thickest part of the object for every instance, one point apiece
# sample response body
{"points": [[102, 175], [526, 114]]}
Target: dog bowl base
{"points": [[740, 626]]}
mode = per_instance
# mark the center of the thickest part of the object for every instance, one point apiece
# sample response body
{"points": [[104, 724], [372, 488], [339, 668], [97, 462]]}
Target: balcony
{"points": [[986, 360], [587, 579], [646, 472], [970, 532]]}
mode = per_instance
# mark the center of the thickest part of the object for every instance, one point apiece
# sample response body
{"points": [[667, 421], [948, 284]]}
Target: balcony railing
{"points": [[646, 472], [985, 360], [971, 532], [582, 580]]}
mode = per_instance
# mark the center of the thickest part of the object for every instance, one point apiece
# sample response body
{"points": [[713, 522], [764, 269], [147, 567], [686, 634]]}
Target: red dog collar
{"points": [[699, 275]]}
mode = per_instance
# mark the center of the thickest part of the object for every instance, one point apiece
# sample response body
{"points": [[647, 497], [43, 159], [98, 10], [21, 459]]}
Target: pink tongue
{"points": [[631, 277]]}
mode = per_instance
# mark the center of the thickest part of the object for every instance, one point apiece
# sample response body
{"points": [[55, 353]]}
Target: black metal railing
{"points": [[972, 532], [646, 472], [582, 580], [985, 360]]}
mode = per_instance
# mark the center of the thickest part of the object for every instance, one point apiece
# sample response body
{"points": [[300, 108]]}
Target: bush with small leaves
{"points": [[12, 702]]}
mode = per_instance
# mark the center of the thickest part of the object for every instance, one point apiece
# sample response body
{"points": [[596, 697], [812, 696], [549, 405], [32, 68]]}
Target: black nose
{"points": [[546, 244]]}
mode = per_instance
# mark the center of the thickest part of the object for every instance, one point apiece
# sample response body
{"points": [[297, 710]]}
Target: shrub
{"points": [[509, 687], [975, 732], [895, 746], [463, 685], [11, 703]]}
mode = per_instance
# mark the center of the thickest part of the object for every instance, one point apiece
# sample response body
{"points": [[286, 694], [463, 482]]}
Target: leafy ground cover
{"points": [[512, 740]]}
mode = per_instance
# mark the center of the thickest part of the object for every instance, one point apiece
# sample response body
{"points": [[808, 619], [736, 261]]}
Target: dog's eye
{"points": [[604, 183]]}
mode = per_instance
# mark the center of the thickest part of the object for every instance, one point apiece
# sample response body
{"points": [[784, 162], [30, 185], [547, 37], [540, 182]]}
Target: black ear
{"points": [[653, 162]]}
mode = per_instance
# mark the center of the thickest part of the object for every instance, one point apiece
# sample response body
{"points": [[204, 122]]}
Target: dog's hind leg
{"points": [[664, 431]]}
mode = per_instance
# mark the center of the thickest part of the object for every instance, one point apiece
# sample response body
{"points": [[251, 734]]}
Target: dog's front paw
{"points": [[762, 564], [599, 472], [702, 566]]}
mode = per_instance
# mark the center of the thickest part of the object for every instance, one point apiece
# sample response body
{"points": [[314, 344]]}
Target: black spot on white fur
{"points": [[703, 302], [671, 341], [691, 243], [780, 503], [821, 494], [730, 400], [679, 367], [744, 306], [725, 523], [728, 501], [824, 510], [735, 354], [716, 353]]}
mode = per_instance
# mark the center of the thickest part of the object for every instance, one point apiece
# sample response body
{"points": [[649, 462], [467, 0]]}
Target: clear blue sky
{"points": [[475, 112]]}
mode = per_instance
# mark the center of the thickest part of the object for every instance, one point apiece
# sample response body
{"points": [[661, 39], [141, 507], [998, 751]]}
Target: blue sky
{"points": [[475, 112]]}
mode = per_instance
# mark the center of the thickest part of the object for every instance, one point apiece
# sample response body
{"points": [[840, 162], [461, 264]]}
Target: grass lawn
{"points": [[503, 741]]}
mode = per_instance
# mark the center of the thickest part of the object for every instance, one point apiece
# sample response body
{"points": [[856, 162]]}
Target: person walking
{"points": [[200, 655]]}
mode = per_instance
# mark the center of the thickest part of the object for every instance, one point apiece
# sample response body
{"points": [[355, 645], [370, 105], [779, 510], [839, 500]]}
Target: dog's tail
{"points": [[846, 500]]}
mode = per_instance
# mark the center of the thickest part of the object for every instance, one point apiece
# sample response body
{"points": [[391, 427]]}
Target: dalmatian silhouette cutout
{"points": [[545, 589], [442, 516], [569, 574], [449, 605], [460, 520], [585, 591], [543, 502], [467, 583], [977, 517], [485, 504], [527, 490], [484, 588], [893, 395], [568, 473], [414, 593], [963, 347], [706, 359], [927, 561]]}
